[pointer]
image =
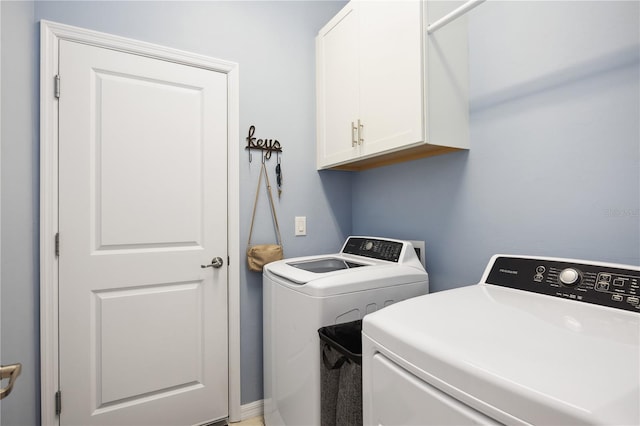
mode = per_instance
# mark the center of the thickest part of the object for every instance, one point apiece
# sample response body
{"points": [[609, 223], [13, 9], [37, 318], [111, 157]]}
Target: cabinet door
{"points": [[337, 88], [391, 82]]}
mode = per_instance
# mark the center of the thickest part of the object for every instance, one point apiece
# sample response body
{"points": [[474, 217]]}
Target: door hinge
{"points": [[57, 244], [227, 261], [58, 403], [57, 86]]}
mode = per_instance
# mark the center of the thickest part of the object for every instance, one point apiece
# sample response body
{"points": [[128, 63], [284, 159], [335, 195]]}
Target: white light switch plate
{"points": [[301, 225]]}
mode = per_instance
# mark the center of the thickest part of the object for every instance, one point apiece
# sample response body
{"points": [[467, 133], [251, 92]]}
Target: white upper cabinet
{"points": [[386, 91]]}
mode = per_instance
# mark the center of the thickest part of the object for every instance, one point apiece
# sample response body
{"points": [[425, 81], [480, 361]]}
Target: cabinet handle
{"points": [[354, 134], [360, 132]]}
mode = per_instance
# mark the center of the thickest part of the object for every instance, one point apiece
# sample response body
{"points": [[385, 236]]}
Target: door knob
{"points": [[10, 372], [217, 262]]}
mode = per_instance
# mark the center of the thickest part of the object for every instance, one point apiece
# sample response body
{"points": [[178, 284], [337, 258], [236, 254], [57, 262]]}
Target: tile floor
{"points": [[254, 421]]}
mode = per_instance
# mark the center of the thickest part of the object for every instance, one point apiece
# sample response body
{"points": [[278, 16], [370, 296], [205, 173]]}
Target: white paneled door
{"points": [[142, 205]]}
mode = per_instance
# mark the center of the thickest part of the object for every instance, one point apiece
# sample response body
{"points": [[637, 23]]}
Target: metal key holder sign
{"points": [[268, 146]]}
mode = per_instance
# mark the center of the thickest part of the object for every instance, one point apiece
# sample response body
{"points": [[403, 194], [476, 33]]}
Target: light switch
{"points": [[301, 225]]}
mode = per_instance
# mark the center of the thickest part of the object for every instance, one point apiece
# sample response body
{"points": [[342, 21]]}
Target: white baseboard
{"points": [[252, 409]]}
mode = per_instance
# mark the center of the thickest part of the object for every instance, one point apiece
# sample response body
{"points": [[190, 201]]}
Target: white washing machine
{"points": [[304, 294], [541, 341]]}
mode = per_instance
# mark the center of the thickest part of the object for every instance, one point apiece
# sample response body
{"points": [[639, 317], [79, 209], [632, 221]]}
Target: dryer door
{"points": [[400, 398]]}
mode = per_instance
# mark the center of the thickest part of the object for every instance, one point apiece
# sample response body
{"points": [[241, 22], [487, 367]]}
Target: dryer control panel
{"points": [[374, 248], [616, 286]]}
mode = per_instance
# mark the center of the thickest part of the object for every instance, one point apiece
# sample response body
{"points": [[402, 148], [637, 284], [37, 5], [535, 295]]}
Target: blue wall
{"points": [[554, 165], [19, 296]]}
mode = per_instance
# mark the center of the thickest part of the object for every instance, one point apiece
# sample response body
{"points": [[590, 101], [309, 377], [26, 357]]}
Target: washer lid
{"points": [[303, 270], [516, 355], [325, 264]]}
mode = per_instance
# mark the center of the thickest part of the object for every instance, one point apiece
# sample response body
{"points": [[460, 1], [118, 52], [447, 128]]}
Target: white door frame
{"points": [[50, 35]]}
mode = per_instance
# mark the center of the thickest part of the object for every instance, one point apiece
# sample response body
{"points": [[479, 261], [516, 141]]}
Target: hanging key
{"points": [[279, 177]]}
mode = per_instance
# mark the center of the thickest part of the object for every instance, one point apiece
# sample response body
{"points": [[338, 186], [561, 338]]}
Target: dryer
{"points": [[539, 340], [301, 295]]}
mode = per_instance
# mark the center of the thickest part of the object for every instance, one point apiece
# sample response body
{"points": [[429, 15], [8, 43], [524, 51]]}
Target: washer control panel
{"points": [[374, 248], [614, 286]]}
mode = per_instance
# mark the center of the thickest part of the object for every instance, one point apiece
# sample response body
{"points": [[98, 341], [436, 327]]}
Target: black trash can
{"points": [[341, 374]]}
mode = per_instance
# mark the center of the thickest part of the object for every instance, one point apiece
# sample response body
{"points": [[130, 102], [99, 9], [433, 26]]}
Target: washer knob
{"points": [[570, 277]]}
